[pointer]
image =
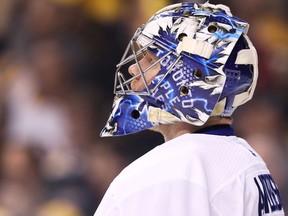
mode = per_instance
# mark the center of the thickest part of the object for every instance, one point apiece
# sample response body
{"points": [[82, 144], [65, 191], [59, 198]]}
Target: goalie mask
{"points": [[193, 61]]}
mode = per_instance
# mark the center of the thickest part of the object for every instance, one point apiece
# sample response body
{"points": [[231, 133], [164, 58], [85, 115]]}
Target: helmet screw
{"points": [[184, 90], [197, 73], [181, 36], [135, 114]]}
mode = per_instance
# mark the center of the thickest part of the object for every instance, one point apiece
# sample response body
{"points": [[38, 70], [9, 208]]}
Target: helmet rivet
{"points": [[184, 90], [180, 63], [186, 12], [135, 114], [212, 28], [181, 36], [197, 73]]}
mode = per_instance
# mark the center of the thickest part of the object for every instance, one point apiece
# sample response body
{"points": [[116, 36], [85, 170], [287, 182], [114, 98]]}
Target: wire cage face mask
{"points": [[142, 48], [190, 61], [138, 109]]}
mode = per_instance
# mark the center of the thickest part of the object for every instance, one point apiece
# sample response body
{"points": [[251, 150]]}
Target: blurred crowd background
{"points": [[57, 63]]}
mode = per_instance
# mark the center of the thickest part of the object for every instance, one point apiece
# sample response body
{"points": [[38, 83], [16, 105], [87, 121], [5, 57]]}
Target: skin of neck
{"points": [[171, 131]]}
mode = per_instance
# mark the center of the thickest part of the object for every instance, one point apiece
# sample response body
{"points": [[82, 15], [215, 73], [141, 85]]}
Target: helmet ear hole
{"points": [[212, 28], [184, 90], [197, 73], [181, 36], [135, 114]]}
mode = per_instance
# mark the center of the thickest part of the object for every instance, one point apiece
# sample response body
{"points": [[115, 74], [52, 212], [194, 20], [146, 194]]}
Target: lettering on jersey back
{"points": [[269, 195]]}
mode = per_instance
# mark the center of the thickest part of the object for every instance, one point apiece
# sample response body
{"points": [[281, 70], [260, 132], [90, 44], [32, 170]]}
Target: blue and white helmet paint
{"points": [[208, 68]]}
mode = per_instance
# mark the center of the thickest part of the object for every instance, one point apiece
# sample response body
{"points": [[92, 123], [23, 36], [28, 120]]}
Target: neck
{"points": [[171, 131]]}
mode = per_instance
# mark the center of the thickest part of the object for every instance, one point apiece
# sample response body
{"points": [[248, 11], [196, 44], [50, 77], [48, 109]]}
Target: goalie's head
{"points": [[188, 62]]}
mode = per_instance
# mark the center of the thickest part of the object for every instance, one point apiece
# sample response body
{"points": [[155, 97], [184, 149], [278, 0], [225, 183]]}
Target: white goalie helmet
{"points": [[207, 67]]}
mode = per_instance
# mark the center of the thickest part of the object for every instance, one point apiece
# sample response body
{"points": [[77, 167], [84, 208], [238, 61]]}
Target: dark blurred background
{"points": [[57, 63]]}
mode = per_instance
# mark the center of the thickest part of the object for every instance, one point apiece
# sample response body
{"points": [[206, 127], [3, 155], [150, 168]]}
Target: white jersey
{"points": [[194, 174]]}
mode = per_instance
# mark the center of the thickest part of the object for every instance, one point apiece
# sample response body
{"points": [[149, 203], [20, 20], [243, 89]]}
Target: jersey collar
{"points": [[220, 130]]}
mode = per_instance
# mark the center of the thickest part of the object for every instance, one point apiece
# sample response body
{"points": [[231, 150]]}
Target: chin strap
{"points": [[157, 115]]}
